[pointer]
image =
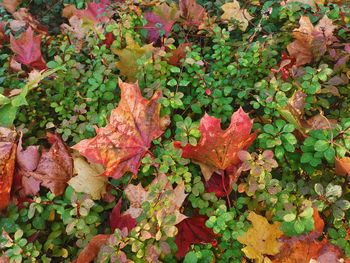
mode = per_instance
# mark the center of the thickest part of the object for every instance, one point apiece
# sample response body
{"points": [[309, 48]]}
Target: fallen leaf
{"points": [[27, 159], [342, 166], [178, 54], [161, 19], [55, 167], [307, 248], [218, 184], [311, 3], [3, 37], [311, 42], [68, 11], [90, 252], [193, 13], [261, 238], [234, 11], [88, 179], [193, 231], [23, 15], [119, 220], [168, 198], [94, 13], [132, 126], [128, 57], [27, 50], [11, 5], [7, 164], [217, 149]]}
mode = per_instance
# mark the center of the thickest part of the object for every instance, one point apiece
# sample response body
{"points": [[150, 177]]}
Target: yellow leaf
{"points": [[88, 179], [128, 57], [308, 2], [233, 11], [261, 238]]}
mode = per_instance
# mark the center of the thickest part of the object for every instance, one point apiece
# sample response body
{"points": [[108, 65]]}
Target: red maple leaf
{"points": [[120, 221], [27, 50], [193, 231], [193, 13], [54, 169], [217, 149], [95, 12], [124, 141], [178, 54]]}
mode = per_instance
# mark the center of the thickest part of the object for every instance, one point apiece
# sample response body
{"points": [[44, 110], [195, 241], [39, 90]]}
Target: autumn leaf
{"points": [[261, 238], [312, 3], [193, 13], [342, 166], [178, 54], [294, 113], [26, 161], [11, 5], [7, 164], [94, 13], [171, 197], [90, 252], [27, 50], [120, 220], [193, 231], [3, 37], [88, 179], [132, 126], [311, 42], [307, 247], [55, 167], [128, 57], [217, 184], [217, 149], [22, 16], [234, 11], [160, 20]]}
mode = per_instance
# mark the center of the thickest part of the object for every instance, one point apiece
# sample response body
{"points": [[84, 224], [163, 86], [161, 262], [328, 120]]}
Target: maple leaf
{"points": [[193, 231], [307, 247], [88, 179], [94, 12], [26, 160], [11, 5], [27, 50], [55, 167], [234, 11], [119, 220], [128, 57], [89, 253], [132, 126], [217, 149], [311, 42], [294, 113], [160, 20], [22, 16], [178, 54], [172, 198], [261, 238], [342, 166], [7, 164], [193, 13]]}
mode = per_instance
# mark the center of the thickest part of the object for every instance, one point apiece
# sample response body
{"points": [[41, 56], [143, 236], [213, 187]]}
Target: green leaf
{"points": [[7, 115], [333, 191], [343, 204], [319, 189], [299, 226], [190, 257], [268, 128], [308, 212], [289, 217], [321, 145], [329, 154]]}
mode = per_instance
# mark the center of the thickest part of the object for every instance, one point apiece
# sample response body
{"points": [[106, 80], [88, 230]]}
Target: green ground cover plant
{"points": [[174, 131]]}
